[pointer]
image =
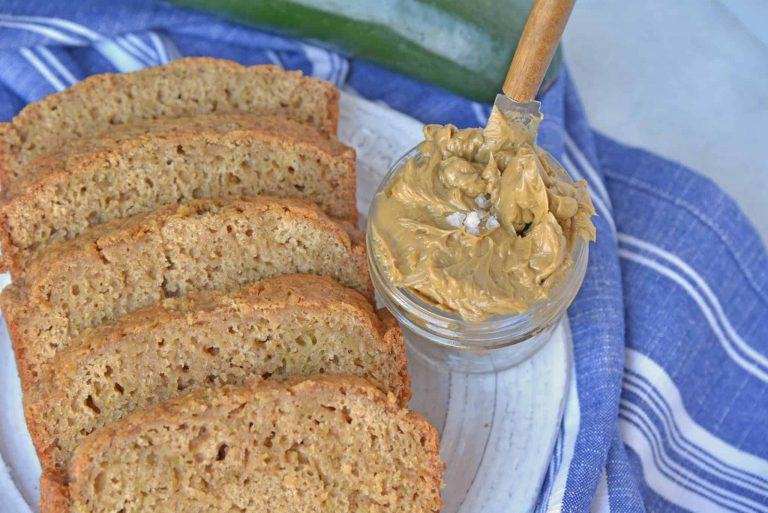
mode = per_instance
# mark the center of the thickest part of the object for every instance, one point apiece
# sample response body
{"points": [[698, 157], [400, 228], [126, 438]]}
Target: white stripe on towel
{"points": [[725, 342], [140, 46], [38, 64], [46, 31], [741, 352], [642, 435], [121, 59], [688, 438], [159, 48], [54, 61], [667, 470], [76, 28]]}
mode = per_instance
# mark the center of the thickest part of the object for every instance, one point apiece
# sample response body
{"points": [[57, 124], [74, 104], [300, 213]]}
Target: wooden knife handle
{"points": [[537, 45]]}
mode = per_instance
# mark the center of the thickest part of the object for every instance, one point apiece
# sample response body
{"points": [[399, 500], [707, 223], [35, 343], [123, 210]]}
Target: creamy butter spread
{"points": [[481, 222]]}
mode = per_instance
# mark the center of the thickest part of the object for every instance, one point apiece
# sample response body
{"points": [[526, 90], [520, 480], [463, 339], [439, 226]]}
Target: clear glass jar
{"points": [[445, 340]]}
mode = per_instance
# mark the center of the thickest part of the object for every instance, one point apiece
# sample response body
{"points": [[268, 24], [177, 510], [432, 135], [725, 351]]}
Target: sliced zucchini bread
{"points": [[140, 166], [185, 87], [120, 266], [290, 325], [322, 443]]}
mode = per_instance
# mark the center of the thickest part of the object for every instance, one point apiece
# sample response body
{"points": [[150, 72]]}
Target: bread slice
{"points": [[289, 325], [139, 166], [120, 266], [323, 443], [184, 87]]}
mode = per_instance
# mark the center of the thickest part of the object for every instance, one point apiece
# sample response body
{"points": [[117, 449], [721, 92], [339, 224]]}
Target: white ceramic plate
{"points": [[498, 430]]}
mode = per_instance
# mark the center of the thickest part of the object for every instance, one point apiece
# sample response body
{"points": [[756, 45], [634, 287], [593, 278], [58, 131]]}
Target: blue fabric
{"points": [[669, 404]]}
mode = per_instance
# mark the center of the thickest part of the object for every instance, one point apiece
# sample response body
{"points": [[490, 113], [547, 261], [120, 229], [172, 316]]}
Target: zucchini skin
{"points": [[499, 22]]}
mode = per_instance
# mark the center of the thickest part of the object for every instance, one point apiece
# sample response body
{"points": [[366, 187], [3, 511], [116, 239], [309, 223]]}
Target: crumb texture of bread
{"points": [[125, 264], [285, 326], [140, 166], [323, 443], [184, 87]]}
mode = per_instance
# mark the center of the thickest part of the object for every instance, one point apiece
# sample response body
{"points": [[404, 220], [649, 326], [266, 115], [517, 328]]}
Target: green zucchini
{"points": [[464, 46]]}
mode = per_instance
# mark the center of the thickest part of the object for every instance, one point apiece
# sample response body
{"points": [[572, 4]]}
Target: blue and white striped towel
{"points": [[669, 409]]}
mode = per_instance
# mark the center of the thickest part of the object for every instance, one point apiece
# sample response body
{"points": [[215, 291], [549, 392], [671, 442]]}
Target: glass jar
{"points": [[446, 340]]}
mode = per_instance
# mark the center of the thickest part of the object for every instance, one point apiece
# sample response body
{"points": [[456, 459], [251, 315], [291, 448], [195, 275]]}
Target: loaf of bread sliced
{"points": [[290, 325], [185, 87], [322, 443], [120, 266], [139, 166]]}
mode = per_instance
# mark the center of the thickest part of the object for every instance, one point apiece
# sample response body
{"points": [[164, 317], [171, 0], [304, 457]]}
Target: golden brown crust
{"points": [[7, 132], [394, 335], [8, 259], [53, 494], [15, 310], [107, 85], [332, 103]]}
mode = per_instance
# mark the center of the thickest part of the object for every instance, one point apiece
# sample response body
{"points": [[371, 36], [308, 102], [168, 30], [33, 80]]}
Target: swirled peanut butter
{"points": [[481, 222]]}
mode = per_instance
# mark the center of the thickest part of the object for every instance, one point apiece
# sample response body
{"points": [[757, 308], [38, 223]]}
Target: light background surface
{"points": [[686, 79]]}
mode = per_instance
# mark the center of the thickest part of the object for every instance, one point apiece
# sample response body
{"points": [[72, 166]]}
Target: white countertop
{"points": [[687, 79]]}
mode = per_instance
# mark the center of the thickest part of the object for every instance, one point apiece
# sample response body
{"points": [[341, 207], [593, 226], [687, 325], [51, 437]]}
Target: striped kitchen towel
{"points": [[668, 410]]}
